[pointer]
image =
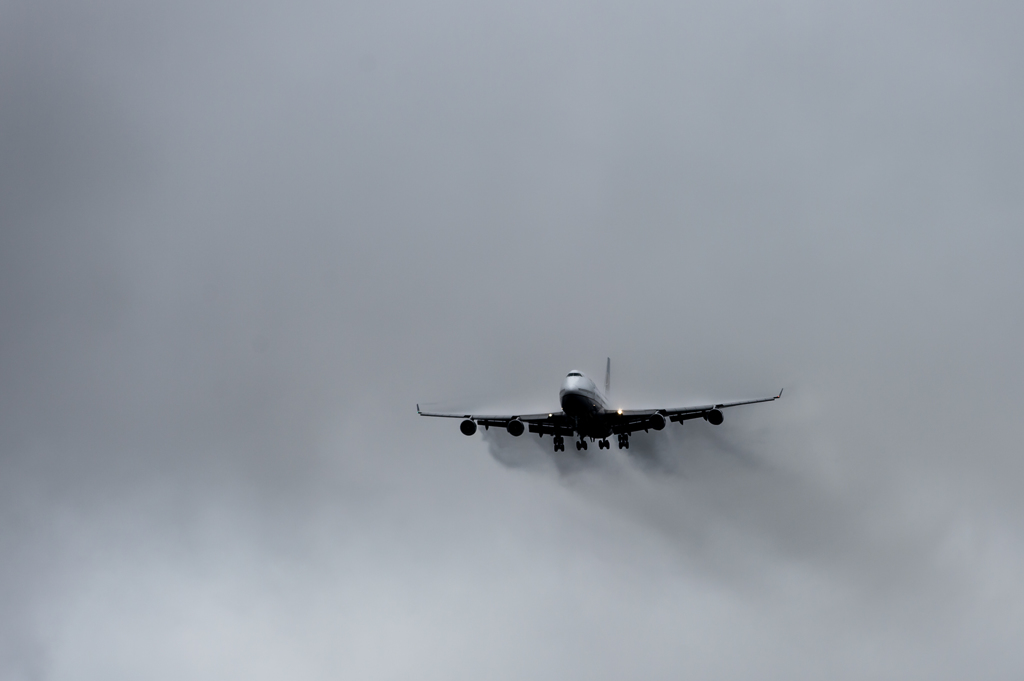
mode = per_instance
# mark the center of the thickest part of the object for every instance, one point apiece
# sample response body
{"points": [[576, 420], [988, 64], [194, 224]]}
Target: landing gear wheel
{"points": [[559, 444], [623, 441], [604, 444], [579, 445]]}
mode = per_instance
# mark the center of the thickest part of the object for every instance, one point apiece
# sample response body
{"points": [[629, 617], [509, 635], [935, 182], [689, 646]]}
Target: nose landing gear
{"points": [[559, 444], [623, 441], [604, 444]]}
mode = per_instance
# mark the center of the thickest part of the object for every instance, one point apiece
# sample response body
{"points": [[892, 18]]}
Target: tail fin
{"points": [[608, 377]]}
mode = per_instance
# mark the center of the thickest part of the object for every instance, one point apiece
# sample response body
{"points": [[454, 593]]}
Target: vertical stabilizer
{"points": [[608, 377]]}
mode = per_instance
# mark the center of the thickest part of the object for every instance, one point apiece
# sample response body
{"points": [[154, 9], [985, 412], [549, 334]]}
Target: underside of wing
{"points": [[698, 411], [624, 422], [551, 423], [633, 420]]}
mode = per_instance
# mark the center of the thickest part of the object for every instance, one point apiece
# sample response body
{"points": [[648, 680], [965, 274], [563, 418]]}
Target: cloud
{"points": [[233, 257]]}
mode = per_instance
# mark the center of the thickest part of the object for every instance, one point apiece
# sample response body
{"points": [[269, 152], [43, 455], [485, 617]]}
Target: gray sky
{"points": [[240, 241]]}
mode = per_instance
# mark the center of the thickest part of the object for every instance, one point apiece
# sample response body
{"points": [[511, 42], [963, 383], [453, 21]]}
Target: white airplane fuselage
{"points": [[581, 400]]}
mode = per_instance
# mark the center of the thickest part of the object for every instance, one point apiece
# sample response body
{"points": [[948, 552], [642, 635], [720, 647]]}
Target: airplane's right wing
{"points": [[552, 423]]}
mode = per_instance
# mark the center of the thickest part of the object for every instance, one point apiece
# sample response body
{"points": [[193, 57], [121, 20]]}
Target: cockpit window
{"points": [[575, 373]]}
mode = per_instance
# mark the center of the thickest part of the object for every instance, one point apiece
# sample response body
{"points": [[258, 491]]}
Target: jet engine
{"points": [[468, 427], [715, 417], [515, 427], [657, 421]]}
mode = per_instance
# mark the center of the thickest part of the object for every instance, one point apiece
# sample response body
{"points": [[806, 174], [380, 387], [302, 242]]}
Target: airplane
{"points": [[585, 414]]}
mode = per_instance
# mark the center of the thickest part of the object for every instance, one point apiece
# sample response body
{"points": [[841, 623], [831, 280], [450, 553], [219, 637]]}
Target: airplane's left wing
{"points": [[551, 423], [700, 411], [630, 421]]}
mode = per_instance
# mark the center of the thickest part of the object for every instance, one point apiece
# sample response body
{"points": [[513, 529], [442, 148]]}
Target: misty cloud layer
{"points": [[239, 242]]}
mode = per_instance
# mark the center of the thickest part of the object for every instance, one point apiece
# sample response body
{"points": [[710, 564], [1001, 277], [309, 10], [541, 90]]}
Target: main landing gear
{"points": [[581, 444]]}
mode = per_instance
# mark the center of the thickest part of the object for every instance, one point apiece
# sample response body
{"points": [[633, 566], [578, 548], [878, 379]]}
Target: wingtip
{"points": [[418, 408], [780, 394]]}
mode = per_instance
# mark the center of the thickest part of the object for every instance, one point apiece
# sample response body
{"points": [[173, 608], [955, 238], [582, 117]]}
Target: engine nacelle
{"points": [[515, 428], [657, 421], [468, 427], [715, 417]]}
